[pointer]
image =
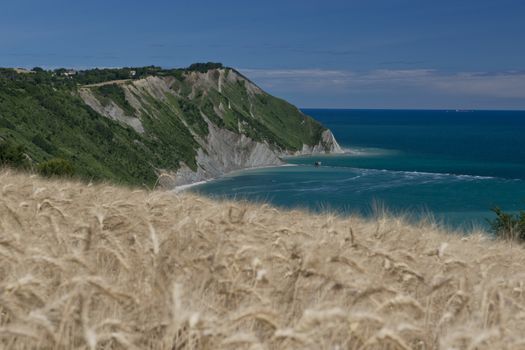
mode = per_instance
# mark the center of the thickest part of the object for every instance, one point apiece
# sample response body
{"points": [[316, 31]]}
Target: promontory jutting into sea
{"points": [[451, 165]]}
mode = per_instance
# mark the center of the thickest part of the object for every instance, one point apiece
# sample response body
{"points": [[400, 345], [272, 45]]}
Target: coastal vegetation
{"points": [[104, 267], [48, 121]]}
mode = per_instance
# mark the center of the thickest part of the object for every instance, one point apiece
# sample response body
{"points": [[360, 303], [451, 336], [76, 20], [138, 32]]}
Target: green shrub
{"points": [[12, 155], [56, 167], [508, 226]]}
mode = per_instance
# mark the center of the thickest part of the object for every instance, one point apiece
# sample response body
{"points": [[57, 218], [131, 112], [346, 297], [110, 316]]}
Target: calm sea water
{"points": [[454, 165]]}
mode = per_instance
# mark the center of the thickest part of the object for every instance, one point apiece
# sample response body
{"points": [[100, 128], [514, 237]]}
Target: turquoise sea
{"points": [[452, 165]]}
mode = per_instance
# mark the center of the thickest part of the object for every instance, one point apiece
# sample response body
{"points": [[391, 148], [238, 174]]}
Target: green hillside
{"points": [[43, 112]]}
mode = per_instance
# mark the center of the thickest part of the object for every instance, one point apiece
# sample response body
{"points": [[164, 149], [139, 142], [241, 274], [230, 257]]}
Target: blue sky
{"points": [[353, 54]]}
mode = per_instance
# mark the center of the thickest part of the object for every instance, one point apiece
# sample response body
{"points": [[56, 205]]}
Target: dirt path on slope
{"points": [[122, 81]]}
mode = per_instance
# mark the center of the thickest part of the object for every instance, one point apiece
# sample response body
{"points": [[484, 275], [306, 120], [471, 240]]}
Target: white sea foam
{"points": [[181, 188], [367, 151], [415, 174]]}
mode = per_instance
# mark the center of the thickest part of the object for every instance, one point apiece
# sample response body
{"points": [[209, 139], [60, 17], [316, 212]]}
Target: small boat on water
{"points": [[317, 164]]}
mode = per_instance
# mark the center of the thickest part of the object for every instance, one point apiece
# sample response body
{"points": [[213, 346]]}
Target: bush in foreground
{"points": [[508, 226], [56, 167]]}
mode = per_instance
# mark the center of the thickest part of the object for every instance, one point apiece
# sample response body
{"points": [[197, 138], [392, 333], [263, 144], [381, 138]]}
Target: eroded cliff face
{"points": [[231, 122], [222, 152], [110, 110]]}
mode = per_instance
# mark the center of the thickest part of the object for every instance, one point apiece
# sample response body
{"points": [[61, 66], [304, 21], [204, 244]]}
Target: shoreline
{"points": [[182, 188]]}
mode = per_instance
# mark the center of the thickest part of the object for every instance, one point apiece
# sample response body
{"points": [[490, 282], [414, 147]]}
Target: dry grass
{"points": [[101, 267]]}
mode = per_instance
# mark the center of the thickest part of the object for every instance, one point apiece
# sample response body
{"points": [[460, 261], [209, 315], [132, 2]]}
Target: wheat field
{"points": [[105, 267]]}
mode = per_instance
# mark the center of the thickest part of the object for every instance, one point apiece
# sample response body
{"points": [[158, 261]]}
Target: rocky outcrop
{"points": [[327, 144]]}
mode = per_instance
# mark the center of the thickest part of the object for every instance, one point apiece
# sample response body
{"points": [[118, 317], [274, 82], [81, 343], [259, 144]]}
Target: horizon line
{"points": [[458, 110]]}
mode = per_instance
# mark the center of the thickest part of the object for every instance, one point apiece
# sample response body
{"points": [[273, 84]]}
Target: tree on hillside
{"points": [[204, 67]]}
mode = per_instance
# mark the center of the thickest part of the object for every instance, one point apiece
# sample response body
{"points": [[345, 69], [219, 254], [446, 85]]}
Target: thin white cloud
{"points": [[481, 84], [398, 74], [505, 85], [294, 73]]}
